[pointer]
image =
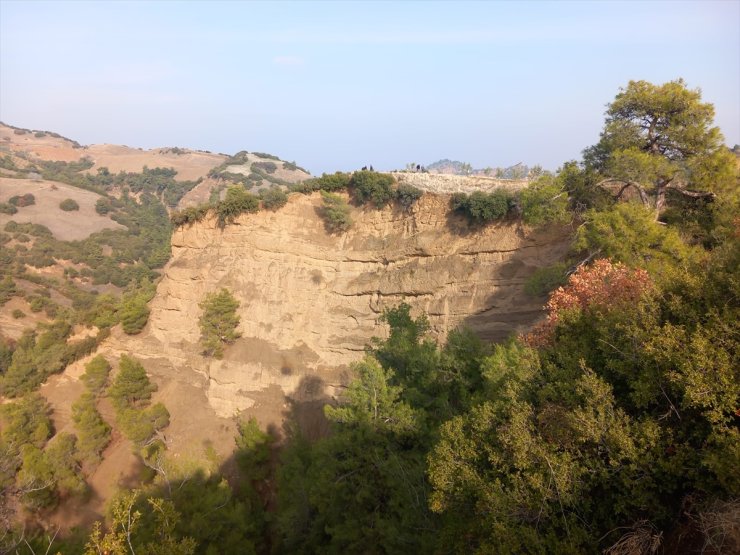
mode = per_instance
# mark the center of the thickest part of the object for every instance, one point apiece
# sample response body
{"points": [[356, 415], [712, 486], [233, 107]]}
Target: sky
{"points": [[339, 85]]}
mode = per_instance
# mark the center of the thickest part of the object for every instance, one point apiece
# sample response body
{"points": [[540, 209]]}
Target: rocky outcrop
{"points": [[310, 301]]}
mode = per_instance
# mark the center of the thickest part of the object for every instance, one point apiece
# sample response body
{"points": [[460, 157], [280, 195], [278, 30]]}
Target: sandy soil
{"points": [[66, 226], [189, 166], [13, 328], [46, 147]]}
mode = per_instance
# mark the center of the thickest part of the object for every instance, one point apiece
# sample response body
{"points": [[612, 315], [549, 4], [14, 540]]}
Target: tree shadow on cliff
{"points": [[509, 310], [304, 414]]}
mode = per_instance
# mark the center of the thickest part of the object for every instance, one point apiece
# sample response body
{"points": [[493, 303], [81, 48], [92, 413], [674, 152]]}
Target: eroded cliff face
{"points": [[310, 301]]}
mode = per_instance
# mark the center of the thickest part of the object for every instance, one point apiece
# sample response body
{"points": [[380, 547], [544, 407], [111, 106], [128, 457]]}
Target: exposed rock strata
{"points": [[310, 301]]}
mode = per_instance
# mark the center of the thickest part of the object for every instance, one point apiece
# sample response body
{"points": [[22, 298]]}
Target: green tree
{"points": [[140, 425], [93, 432], [131, 387], [659, 139], [96, 374], [252, 449], [218, 322], [134, 314], [369, 186], [545, 201], [371, 401]]}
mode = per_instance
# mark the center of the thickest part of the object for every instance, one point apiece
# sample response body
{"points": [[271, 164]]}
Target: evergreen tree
{"points": [[218, 322]]}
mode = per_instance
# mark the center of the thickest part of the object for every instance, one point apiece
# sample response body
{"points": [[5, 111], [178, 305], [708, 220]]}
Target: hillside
{"points": [[361, 362]]}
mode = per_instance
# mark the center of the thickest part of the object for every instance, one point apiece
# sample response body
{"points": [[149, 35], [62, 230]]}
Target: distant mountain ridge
{"points": [[456, 167]]}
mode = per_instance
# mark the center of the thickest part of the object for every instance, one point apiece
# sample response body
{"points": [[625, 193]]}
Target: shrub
{"points": [[327, 182], [218, 322], [7, 289], [6, 208], [292, 166], [39, 134], [18, 314], [20, 201], [481, 207], [336, 213], [237, 201], [269, 167], [103, 206], [407, 195], [544, 280], [372, 186], [189, 215], [274, 198], [68, 205], [265, 155]]}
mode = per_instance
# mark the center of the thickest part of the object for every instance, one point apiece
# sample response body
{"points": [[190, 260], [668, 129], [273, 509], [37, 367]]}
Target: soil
{"points": [[66, 226]]}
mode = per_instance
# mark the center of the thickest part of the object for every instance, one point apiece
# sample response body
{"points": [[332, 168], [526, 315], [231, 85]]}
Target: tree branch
{"points": [[625, 185]]}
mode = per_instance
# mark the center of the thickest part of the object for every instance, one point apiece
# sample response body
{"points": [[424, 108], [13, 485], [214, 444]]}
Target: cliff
{"points": [[310, 301]]}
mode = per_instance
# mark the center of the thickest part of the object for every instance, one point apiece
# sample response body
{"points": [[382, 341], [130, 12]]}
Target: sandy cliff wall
{"points": [[310, 301]]}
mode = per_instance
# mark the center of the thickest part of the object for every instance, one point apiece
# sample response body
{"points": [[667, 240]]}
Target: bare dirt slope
{"points": [[66, 226], [189, 164]]}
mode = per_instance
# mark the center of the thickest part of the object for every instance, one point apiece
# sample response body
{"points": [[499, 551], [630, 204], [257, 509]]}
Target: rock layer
{"points": [[310, 301]]}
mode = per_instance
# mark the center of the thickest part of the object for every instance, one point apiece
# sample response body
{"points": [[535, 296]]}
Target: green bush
{"points": [[7, 289], [218, 322], [265, 155], [237, 202], [327, 182], [7, 208], [370, 186], [68, 205], [268, 167], [544, 280], [190, 215], [273, 198], [482, 208], [18, 314], [103, 206], [336, 213], [24, 200], [407, 195]]}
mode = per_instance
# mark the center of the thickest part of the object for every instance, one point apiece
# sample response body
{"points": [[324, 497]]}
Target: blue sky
{"points": [[337, 85]]}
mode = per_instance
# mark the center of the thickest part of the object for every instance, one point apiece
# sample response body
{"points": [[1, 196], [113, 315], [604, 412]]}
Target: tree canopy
{"points": [[659, 139]]}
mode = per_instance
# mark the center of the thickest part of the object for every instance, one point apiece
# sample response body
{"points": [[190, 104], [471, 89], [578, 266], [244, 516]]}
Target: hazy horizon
{"points": [[335, 86]]}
